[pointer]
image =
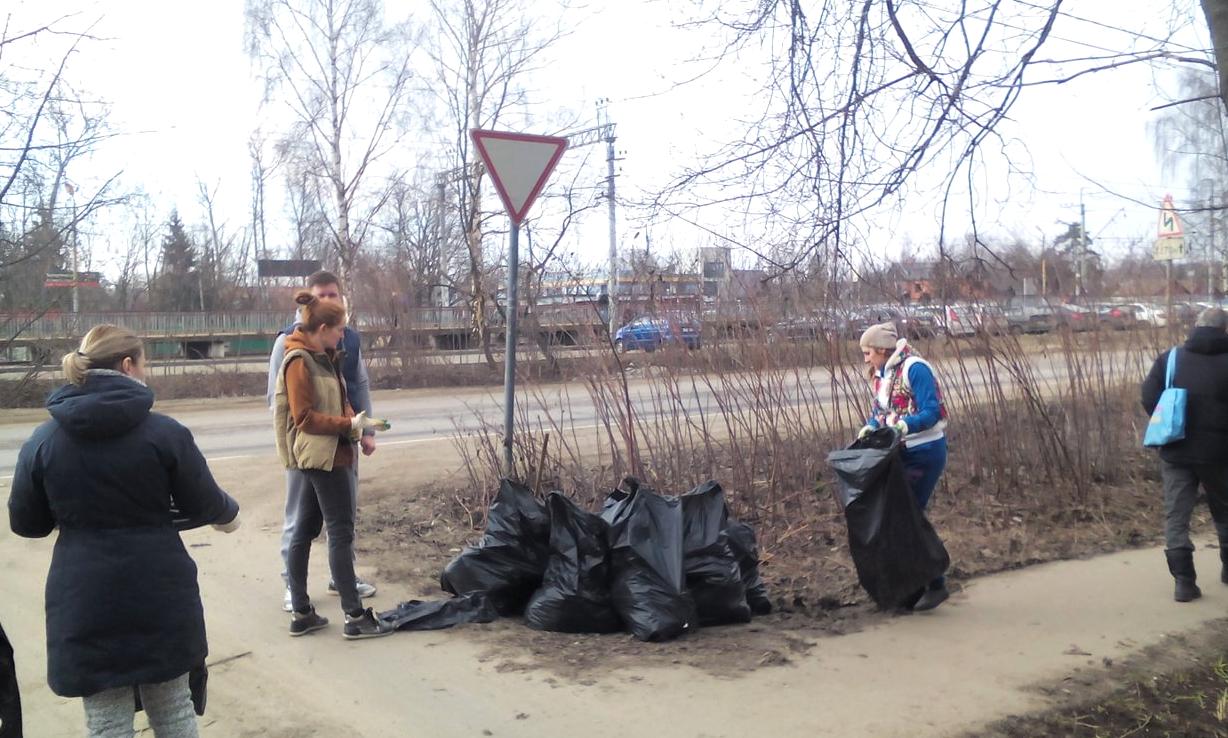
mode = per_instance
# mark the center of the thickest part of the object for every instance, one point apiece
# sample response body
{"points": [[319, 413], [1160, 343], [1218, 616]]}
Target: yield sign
{"points": [[1170, 224], [519, 165]]}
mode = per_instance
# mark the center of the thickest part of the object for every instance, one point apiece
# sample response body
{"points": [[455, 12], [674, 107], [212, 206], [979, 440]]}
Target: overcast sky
{"points": [[185, 97]]}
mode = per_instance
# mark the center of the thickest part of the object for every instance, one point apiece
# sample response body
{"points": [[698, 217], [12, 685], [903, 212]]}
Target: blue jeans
{"points": [[923, 467]]}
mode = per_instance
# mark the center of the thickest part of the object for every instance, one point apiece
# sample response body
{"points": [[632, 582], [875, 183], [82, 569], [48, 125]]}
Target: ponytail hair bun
{"points": [[103, 347], [314, 312]]}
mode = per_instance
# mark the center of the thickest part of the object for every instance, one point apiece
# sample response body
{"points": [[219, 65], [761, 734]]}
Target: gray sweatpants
{"points": [[109, 713], [1181, 484], [297, 486]]}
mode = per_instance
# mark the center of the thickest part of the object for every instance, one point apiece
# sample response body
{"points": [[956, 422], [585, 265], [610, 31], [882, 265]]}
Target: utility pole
{"points": [[76, 299], [76, 235], [441, 195], [612, 289], [1081, 255], [604, 132], [1211, 248]]}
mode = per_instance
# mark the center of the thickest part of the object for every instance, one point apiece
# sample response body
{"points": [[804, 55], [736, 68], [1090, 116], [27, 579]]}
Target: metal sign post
{"points": [[1170, 245], [519, 165]]}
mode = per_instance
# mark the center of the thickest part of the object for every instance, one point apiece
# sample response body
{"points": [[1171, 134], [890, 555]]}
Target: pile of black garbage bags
{"points": [[651, 564]]}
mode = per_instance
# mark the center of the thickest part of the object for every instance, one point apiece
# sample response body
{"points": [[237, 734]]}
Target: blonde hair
{"points": [[103, 347], [314, 312]]}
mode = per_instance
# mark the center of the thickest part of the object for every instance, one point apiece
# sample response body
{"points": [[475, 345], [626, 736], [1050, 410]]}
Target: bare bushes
{"points": [[1026, 419]]}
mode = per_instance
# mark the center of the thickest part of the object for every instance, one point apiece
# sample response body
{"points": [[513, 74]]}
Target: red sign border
{"points": [[479, 134], [1167, 205]]}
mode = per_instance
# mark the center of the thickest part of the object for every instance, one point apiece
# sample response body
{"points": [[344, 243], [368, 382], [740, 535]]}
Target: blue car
{"points": [[649, 334]]}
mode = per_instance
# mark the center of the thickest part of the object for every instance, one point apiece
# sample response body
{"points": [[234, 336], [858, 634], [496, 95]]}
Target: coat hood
{"points": [[108, 404], [1206, 340]]}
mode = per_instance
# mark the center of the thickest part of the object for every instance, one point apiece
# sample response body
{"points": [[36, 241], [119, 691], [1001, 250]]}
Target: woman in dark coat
{"points": [[120, 482]]}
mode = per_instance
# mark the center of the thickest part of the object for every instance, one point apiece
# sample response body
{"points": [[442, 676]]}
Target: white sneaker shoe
{"points": [[366, 589], [286, 605]]}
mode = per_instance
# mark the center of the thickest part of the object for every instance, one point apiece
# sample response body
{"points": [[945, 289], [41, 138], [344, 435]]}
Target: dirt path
{"points": [[927, 675]]}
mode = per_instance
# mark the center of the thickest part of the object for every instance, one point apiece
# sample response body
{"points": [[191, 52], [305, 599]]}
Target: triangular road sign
{"points": [[1170, 224], [519, 165]]}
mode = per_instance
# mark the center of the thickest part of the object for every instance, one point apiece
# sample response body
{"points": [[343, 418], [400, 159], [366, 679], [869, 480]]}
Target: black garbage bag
{"points": [[575, 592], [742, 542], [10, 698], [509, 561], [895, 549], [712, 574], [474, 607], [615, 503], [647, 583]]}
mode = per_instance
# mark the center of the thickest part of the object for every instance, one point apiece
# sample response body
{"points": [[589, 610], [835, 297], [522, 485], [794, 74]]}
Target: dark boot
{"points": [[934, 596], [1181, 566], [1223, 560]]}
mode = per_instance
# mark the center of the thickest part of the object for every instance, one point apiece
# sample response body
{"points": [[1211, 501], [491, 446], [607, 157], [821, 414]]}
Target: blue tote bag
{"points": [[1167, 423]]}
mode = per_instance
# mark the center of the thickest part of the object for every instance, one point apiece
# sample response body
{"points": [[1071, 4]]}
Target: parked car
{"points": [[1075, 317], [975, 318], [1148, 314], [954, 320], [650, 333], [1117, 317], [1185, 313], [1030, 318], [813, 327], [912, 324]]}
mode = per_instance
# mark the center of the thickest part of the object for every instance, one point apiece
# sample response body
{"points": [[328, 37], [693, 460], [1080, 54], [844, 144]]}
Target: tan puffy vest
{"points": [[295, 448]]}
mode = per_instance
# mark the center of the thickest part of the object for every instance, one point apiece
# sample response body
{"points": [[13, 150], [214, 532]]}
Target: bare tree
{"points": [[482, 52], [861, 97], [344, 74]]}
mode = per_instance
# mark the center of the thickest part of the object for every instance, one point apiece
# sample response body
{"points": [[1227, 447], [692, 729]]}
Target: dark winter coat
{"points": [[1202, 370], [119, 482]]}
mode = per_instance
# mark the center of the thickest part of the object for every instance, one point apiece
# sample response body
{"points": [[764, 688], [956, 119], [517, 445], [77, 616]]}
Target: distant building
{"points": [[716, 269]]}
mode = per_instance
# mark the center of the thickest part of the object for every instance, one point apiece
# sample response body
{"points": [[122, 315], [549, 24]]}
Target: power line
{"points": [[1110, 27], [1052, 36]]}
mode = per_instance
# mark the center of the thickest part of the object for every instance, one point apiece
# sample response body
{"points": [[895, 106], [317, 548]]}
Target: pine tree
{"points": [[178, 282]]}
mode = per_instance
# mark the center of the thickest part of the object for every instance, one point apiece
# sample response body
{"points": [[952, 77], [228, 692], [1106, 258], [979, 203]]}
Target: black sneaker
{"points": [[308, 622], [366, 625], [365, 588]]}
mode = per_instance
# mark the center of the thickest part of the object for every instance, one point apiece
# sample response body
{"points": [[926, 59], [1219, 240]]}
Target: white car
{"points": [[960, 320], [1149, 314]]}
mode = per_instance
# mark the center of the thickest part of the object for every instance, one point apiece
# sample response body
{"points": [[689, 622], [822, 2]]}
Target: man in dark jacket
{"points": [[1202, 456]]}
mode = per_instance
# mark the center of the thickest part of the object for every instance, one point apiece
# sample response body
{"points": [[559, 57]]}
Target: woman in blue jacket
{"points": [[907, 398], [119, 482]]}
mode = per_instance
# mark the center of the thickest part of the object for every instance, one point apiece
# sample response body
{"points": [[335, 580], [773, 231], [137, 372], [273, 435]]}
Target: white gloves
{"points": [[230, 527], [361, 422]]}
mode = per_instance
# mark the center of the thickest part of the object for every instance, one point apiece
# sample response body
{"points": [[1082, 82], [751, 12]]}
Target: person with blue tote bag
{"points": [[1186, 395]]}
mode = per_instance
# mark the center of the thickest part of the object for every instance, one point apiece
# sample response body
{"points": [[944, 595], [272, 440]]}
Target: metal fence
{"points": [[229, 324]]}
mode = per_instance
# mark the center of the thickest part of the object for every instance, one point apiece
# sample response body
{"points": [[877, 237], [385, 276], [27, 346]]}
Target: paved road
{"points": [[242, 427]]}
